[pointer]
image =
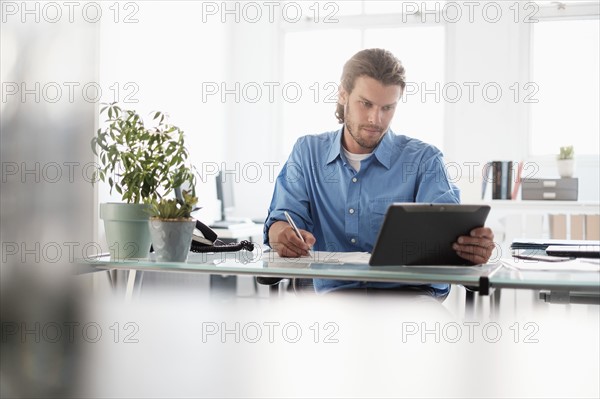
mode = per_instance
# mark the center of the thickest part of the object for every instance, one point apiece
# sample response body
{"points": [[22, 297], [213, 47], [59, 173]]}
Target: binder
{"points": [[592, 227], [515, 191], [577, 227], [502, 179], [558, 226], [487, 168]]}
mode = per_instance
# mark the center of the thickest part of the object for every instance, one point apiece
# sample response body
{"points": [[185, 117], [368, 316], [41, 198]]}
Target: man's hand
{"points": [[284, 240], [477, 247]]}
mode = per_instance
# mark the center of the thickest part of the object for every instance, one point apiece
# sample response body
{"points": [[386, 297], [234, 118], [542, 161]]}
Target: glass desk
{"points": [[550, 280], [561, 286], [484, 278], [245, 263]]}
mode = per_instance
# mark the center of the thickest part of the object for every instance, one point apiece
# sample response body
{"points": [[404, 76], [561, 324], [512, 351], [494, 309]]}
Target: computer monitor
{"points": [[225, 194], [186, 186]]}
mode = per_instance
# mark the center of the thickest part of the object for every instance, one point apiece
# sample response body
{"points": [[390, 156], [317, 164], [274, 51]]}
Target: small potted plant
{"points": [[142, 164], [171, 227], [566, 161]]}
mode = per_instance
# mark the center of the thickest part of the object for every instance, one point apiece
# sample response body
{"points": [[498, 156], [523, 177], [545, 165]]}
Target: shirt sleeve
{"points": [[434, 185], [291, 193]]}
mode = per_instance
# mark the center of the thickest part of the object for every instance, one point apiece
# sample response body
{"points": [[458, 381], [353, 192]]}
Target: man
{"points": [[336, 186]]}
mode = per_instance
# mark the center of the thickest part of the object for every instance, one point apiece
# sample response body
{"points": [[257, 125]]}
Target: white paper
{"points": [[361, 258], [583, 265]]}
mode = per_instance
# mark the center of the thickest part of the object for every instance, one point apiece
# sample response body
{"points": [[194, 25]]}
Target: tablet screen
{"points": [[423, 234]]}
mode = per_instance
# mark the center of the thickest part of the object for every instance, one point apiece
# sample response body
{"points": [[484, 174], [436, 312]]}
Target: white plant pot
{"points": [[566, 167], [171, 239]]}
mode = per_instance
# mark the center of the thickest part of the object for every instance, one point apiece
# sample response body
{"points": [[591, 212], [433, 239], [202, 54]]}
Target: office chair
{"points": [[297, 285]]}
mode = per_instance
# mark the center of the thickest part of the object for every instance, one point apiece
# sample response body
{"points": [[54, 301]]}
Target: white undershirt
{"points": [[354, 159]]}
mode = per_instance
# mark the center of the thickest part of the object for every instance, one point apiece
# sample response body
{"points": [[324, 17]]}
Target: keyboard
{"points": [[574, 251]]}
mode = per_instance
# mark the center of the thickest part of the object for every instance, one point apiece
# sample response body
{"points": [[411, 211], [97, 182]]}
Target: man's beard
{"points": [[361, 141]]}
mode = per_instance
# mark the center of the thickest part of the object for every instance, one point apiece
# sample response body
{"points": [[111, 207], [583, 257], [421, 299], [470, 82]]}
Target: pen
{"points": [[294, 227]]}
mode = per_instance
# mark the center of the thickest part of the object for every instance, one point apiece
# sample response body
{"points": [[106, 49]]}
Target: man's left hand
{"points": [[476, 247]]}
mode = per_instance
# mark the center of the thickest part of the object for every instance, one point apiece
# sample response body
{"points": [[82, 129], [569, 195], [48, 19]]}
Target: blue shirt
{"points": [[344, 209]]}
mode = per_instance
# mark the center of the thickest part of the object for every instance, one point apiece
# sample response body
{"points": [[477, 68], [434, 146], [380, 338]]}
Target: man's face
{"points": [[368, 112]]}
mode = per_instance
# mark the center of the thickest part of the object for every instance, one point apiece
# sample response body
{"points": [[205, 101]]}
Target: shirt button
{"points": [[351, 210], [354, 180], [353, 240]]}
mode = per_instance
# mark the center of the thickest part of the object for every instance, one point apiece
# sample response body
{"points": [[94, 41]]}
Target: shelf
{"points": [[554, 206]]}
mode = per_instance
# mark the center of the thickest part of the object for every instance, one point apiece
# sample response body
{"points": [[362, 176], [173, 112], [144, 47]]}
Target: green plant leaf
{"points": [[141, 163]]}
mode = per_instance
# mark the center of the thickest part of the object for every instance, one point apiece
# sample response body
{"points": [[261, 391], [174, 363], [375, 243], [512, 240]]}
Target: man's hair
{"points": [[375, 63]]}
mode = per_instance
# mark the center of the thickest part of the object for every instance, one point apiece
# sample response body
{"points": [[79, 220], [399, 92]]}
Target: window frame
{"points": [[556, 11]]}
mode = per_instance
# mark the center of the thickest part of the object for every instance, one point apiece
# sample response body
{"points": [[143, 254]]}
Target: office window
{"points": [[334, 44], [383, 7], [149, 69], [370, 7], [565, 69], [318, 79]]}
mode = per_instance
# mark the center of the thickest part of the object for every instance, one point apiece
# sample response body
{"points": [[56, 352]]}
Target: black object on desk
{"points": [[233, 247], [525, 243], [554, 250], [574, 251], [206, 242]]}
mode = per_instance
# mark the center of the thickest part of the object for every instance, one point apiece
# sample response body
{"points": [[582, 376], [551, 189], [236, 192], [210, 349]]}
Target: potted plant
{"points": [[171, 227], [142, 164], [566, 161]]}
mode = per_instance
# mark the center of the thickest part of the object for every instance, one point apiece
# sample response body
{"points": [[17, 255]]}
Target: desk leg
{"points": [[469, 304], [130, 284], [112, 278], [495, 303], [140, 278], [134, 278], [274, 290]]}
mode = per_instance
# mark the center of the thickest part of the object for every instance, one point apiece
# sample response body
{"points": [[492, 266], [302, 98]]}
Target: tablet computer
{"points": [[423, 234]]}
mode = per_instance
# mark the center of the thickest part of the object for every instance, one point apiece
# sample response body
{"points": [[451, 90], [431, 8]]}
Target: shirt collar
{"points": [[383, 152], [336, 147]]}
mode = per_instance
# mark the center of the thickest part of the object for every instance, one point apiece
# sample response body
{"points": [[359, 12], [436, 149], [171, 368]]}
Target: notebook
{"points": [[423, 234]]}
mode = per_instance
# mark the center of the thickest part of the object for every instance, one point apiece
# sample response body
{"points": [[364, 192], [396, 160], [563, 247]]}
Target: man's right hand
{"points": [[286, 243]]}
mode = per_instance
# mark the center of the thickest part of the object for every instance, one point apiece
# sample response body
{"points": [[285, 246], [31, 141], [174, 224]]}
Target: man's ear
{"points": [[342, 96]]}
